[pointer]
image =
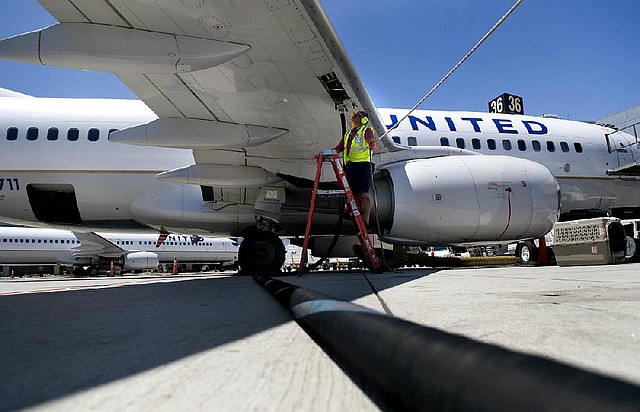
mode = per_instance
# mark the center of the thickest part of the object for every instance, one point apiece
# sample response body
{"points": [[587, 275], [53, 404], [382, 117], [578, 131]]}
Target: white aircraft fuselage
{"points": [[107, 178], [48, 246], [578, 154]]}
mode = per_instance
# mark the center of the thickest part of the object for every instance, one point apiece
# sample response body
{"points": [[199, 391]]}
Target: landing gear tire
{"points": [[261, 253], [632, 250], [93, 271], [527, 253]]}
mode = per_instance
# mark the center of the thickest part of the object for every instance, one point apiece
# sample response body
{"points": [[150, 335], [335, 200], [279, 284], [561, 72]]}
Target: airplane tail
{"points": [[11, 93]]}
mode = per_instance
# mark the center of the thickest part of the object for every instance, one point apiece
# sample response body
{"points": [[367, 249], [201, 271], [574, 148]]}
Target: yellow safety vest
{"points": [[359, 151]]}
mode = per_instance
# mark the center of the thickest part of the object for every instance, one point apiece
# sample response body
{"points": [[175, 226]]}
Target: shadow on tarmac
{"points": [[57, 344]]}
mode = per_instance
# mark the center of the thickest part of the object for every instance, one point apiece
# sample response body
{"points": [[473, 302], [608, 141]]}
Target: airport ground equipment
{"points": [[367, 246], [597, 241], [632, 234]]}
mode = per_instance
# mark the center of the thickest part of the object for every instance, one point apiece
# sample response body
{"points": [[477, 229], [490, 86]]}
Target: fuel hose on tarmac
{"points": [[405, 366]]}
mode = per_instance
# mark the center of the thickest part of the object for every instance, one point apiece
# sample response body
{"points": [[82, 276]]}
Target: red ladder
{"points": [[363, 236]]}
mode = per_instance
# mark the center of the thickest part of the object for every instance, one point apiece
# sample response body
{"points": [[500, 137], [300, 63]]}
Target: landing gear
{"points": [[527, 253], [261, 252], [632, 250]]}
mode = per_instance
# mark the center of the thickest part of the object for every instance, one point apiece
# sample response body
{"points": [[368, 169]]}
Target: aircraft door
{"points": [[625, 149]]}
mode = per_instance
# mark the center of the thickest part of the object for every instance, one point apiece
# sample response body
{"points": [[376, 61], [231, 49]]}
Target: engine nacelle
{"points": [[465, 199], [140, 261]]}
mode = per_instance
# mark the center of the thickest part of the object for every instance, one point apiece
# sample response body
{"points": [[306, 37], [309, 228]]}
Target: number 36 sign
{"points": [[506, 103]]}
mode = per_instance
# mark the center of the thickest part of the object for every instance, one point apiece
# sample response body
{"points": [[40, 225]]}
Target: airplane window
{"points": [[536, 145], [475, 143], [444, 141], [112, 130], [10, 240], [12, 133], [56, 240], [550, 146], [93, 135], [578, 147], [411, 141], [73, 134], [32, 133], [396, 139], [522, 145], [52, 133], [21, 240], [460, 142], [491, 144], [564, 147], [506, 144], [39, 240]]}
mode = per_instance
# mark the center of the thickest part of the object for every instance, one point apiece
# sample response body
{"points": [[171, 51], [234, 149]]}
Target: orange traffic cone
{"points": [[112, 270], [175, 267], [433, 251]]}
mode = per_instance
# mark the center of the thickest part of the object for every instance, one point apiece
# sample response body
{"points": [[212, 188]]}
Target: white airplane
{"points": [[241, 95], [90, 252]]}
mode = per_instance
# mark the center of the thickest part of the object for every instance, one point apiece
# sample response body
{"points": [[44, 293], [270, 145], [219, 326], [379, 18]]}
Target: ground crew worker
{"points": [[356, 146]]}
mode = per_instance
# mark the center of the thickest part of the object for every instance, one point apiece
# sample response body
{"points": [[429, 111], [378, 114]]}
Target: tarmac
{"points": [[221, 342]]}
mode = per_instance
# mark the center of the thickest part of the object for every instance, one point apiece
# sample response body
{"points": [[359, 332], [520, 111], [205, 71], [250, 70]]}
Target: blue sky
{"points": [[575, 58]]}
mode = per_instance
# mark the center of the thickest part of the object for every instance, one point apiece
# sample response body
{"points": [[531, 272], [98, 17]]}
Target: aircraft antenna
{"points": [[460, 63]]}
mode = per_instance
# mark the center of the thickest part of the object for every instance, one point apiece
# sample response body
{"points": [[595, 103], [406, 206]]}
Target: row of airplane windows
{"points": [[53, 133], [507, 144], [63, 241], [119, 242], [145, 242], [93, 135]]}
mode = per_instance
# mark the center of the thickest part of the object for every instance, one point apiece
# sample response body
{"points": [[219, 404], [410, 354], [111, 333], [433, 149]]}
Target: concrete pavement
{"points": [[221, 342]]}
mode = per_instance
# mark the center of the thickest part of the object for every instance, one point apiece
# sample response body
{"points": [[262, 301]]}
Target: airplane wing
{"points": [[255, 83], [92, 244]]}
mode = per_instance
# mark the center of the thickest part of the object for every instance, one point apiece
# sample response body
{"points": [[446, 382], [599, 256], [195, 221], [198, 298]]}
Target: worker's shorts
{"points": [[359, 176]]}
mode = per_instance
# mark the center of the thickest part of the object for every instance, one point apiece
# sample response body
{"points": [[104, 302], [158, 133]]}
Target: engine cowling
{"points": [[465, 199], [140, 261]]}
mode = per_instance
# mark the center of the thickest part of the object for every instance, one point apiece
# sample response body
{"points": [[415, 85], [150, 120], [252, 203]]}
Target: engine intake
{"points": [[465, 199], [140, 261]]}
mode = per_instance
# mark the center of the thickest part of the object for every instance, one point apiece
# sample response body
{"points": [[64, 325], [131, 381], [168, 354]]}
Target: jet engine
{"points": [[465, 199], [140, 261]]}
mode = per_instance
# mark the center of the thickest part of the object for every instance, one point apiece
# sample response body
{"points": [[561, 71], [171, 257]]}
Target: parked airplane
{"points": [[254, 102], [88, 252]]}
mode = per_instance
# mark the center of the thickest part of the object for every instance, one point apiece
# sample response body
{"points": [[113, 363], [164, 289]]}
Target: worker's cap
{"points": [[360, 114]]}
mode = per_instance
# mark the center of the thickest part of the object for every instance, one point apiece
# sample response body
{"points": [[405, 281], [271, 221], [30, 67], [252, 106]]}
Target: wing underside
{"points": [[255, 82]]}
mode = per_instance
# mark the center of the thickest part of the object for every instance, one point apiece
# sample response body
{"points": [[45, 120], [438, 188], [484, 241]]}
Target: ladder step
{"points": [[335, 192]]}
